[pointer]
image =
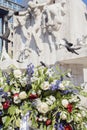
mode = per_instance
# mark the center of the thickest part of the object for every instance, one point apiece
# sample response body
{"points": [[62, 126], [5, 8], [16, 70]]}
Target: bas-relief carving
{"points": [[41, 18], [82, 40]]}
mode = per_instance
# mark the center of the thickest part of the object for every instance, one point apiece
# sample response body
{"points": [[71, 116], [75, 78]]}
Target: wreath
{"points": [[40, 98]]}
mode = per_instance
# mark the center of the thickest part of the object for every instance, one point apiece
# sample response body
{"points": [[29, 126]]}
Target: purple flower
{"points": [[30, 69], [70, 91], [1, 113], [8, 80], [2, 93], [5, 94], [57, 116], [1, 89], [56, 85], [60, 127], [1, 126]]}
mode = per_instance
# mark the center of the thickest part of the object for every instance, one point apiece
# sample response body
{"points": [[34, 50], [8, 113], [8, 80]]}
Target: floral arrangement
{"points": [[41, 99]]}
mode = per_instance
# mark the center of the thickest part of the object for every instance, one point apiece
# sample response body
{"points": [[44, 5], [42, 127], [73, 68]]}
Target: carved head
{"points": [[31, 4], [63, 2]]}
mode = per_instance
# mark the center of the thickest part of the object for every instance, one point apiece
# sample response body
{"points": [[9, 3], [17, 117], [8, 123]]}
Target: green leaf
{"points": [[50, 79], [41, 127], [12, 110], [6, 88], [18, 122], [45, 127], [45, 70], [7, 120]]}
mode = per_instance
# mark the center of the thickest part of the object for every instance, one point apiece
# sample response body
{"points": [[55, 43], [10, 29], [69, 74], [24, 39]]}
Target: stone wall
{"points": [[76, 72]]}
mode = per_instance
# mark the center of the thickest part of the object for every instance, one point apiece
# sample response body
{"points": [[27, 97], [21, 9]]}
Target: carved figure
{"points": [[55, 13], [82, 41], [25, 37], [45, 18], [52, 18], [5, 36], [34, 10]]}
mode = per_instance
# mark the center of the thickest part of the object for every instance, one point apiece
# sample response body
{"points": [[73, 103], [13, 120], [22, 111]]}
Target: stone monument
{"points": [[38, 30]]}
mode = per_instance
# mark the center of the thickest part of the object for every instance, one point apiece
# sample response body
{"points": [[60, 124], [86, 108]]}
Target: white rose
{"points": [[16, 100], [63, 115], [39, 92], [44, 118], [65, 103], [43, 107], [79, 115], [61, 86], [45, 85], [54, 129], [17, 73], [22, 95], [9, 94], [3, 99], [23, 81], [52, 98], [49, 102]]}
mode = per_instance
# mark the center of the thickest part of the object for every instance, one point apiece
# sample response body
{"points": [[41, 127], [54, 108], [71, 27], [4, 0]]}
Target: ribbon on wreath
{"points": [[24, 125]]}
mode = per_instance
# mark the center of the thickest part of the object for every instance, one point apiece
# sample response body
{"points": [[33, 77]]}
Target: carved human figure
{"points": [[37, 14], [25, 36], [52, 19], [55, 13], [34, 10]]}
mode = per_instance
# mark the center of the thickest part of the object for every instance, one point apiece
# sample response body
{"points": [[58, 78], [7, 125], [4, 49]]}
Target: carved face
{"points": [[63, 2], [31, 4]]}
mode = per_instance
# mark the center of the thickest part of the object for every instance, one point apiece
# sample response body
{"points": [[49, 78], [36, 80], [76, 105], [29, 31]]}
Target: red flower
{"points": [[48, 122], [33, 96], [6, 105], [68, 127], [69, 108]]}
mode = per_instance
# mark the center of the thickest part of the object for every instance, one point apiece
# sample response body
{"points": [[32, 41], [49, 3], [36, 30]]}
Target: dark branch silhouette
{"points": [[6, 35], [43, 64]]}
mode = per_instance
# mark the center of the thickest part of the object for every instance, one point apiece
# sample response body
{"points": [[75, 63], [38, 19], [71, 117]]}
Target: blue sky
{"points": [[85, 1], [20, 1]]}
